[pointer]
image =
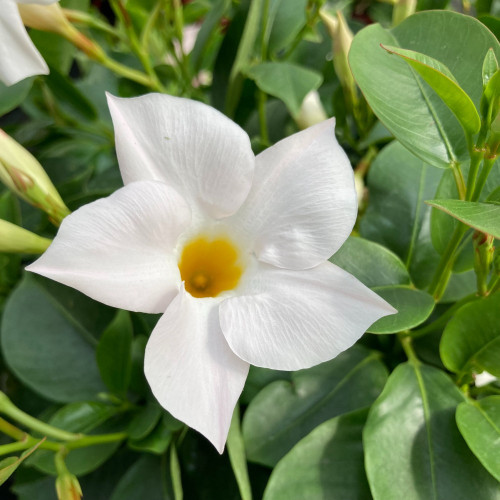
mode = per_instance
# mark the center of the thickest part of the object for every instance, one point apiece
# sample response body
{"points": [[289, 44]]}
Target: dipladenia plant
{"points": [[266, 267]]}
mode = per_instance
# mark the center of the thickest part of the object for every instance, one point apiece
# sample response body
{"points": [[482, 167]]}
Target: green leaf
{"points": [[373, 264], [284, 412], [48, 330], [236, 451], [479, 424], [396, 216], [490, 66], [442, 81], [114, 353], [143, 480], [413, 306], [413, 449], [327, 463], [155, 442], [144, 421], [406, 105], [471, 339], [11, 97], [286, 81], [9, 465], [484, 217], [289, 19]]}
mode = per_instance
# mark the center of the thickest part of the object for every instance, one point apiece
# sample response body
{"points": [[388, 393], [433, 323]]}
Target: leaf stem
{"points": [[264, 134], [459, 179], [9, 409], [406, 343], [488, 163], [475, 161]]}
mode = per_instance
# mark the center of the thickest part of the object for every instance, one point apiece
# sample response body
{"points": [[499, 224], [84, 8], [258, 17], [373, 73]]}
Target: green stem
{"points": [[79, 17], [475, 162], [85, 441], [488, 163], [59, 462], [264, 135], [459, 179], [443, 271], [11, 430], [440, 323], [494, 284], [7, 449], [9, 409], [406, 343]]}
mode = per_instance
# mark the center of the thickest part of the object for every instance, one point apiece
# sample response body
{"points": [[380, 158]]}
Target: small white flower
{"points": [[484, 378], [19, 58], [232, 249]]}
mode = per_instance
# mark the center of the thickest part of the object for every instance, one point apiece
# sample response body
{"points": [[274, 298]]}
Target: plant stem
{"points": [[79, 17], [459, 180], [443, 272], [11, 430], [406, 343], [85, 441], [264, 135], [475, 161], [9, 409], [488, 163]]}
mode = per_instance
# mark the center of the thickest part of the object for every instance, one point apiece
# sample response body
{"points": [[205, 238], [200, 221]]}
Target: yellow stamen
{"points": [[209, 267]]}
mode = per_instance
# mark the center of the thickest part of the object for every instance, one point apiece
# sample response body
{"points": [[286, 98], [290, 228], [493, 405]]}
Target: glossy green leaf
{"points": [[49, 330], [479, 424], [484, 217], [286, 81], [327, 463], [442, 81], [11, 97], [284, 412], [471, 339], [413, 306], [9, 465], [413, 449], [144, 421], [407, 106], [373, 264], [155, 442], [114, 353], [396, 216], [236, 450]]}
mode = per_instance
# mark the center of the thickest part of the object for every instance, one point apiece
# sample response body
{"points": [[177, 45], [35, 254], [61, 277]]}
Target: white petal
{"points": [[118, 250], [484, 378], [289, 320], [191, 370], [186, 144], [302, 205], [39, 2], [19, 58]]}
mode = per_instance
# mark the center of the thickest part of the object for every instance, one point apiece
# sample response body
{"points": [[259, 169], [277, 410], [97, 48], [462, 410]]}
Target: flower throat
{"points": [[209, 267]]}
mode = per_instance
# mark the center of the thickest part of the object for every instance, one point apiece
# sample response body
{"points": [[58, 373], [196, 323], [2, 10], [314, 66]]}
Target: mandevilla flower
{"points": [[232, 249], [19, 58]]}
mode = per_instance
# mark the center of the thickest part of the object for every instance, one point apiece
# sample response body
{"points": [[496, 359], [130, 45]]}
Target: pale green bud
{"points": [[15, 239], [22, 174], [402, 10], [311, 112], [68, 487]]}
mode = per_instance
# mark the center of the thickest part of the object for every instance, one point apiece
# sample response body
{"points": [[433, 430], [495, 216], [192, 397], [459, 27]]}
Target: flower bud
{"points": [[483, 258], [15, 239], [342, 38], [51, 18], [402, 10], [311, 111], [23, 175], [68, 487]]}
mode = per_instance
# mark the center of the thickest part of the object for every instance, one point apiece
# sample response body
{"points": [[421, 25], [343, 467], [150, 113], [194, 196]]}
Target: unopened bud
{"points": [[68, 487], [402, 10], [51, 18], [342, 39], [483, 258], [22, 174], [15, 239], [311, 112]]}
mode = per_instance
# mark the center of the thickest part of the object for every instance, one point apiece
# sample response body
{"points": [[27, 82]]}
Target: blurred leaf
{"points": [[143, 480], [257, 379], [9, 465], [12, 96], [479, 424], [396, 216], [57, 52], [407, 106], [471, 339], [286, 81], [484, 217], [155, 442], [327, 463], [144, 421], [373, 264], [284, 412], [114, 353], [413, 306], [442, 81], [48, 339], [413, 449], [289, 19]]}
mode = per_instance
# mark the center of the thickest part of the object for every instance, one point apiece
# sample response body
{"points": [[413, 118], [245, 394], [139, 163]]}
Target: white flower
{"points": [[232, 249], [19, 58], [484, 378]]}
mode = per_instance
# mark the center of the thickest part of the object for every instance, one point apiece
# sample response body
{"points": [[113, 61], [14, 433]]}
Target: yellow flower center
{"points": [[209, 266]]}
